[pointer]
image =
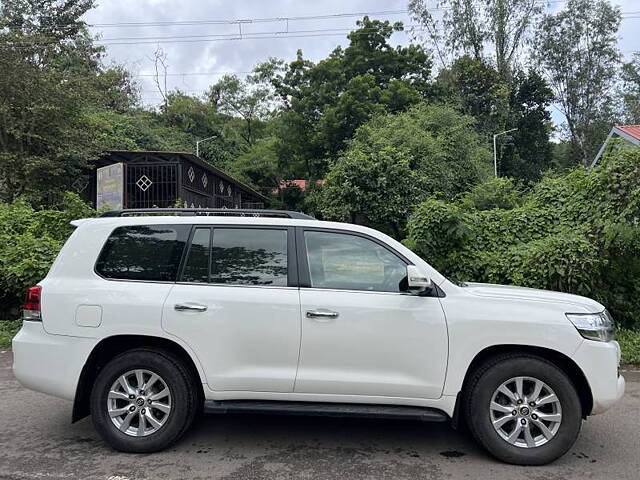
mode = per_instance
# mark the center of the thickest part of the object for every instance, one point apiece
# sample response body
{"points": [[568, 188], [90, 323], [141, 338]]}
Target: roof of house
{"points": [[630, 133], [300, 183], [633, 130], [168, 156]]}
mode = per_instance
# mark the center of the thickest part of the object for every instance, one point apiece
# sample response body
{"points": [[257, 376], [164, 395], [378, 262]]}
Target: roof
{"points": [[630, 133], [164, 155], [300, 183], [633, 130]]}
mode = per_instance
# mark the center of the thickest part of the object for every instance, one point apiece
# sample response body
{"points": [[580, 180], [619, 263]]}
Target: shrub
{"points": [[29, 242], [575, 233]]}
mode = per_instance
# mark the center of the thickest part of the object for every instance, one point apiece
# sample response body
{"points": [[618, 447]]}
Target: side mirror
{"points": [[417, 280]]}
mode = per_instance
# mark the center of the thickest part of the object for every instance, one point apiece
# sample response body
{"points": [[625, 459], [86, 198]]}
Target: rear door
{"points": [[237, 305], [362, 332]]}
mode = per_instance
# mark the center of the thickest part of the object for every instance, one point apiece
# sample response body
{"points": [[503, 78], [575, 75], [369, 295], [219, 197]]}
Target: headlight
{"points": [[593, 326]]}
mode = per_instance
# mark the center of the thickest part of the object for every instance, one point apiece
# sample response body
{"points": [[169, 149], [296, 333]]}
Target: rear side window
{"points": [[237, 256], [249, 256], [143, 252]]}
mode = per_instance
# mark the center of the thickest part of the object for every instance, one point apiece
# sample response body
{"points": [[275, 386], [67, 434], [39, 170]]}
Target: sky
{"points": [[195, 65]]}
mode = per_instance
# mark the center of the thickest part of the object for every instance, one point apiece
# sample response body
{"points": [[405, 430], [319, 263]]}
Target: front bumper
{"points": [[48, 363], [600, 363]]}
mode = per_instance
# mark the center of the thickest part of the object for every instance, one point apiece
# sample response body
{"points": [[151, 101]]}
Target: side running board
{"points": [[325, 409]]}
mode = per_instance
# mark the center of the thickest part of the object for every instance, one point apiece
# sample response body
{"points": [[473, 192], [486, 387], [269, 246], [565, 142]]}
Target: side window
{"points": [[249, 256], [351, 262], [143, 252], [196, 266]]}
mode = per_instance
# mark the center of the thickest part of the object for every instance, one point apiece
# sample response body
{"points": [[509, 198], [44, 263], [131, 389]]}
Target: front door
{"points": [[362, 332], [235, 307]]}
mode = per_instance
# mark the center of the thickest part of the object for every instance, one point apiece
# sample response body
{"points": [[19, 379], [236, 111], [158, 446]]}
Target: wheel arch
{"points": [[565, 363], [108, 348]]}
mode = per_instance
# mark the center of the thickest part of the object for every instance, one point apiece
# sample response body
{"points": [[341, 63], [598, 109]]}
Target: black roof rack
{"points": [[222, 212]]}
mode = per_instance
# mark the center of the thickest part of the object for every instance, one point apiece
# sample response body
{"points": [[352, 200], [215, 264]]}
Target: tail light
{"points": [[31, 308]]}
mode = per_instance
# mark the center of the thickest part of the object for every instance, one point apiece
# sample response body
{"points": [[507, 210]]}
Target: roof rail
{"points": [[223, 212]]}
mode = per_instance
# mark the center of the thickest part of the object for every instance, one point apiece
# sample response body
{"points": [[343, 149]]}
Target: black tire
{"points": [[178, 380], [485, 380]]}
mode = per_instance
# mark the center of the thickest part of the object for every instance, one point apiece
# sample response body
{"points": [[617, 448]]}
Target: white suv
{"points": [[144, 319]]}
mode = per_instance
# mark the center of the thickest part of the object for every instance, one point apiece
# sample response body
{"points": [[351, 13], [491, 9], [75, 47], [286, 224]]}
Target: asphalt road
{"points": [[37, 441]]}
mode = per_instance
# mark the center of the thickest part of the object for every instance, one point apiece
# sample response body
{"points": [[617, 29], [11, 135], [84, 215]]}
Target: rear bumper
{"points": [[600, 361], [48, 363]]}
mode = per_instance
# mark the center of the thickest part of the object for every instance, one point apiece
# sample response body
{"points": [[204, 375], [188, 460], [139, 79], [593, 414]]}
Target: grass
{"points": [[8, 330], [629, 340]]}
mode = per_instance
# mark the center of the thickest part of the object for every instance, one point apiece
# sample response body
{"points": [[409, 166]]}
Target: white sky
{"points": [[242, 55]]}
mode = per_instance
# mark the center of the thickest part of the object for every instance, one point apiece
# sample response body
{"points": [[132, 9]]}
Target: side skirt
{"points": [[325, 409]]}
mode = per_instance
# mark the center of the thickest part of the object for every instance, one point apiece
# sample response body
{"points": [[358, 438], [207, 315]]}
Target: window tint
{"points": [[143, 252], [249, 256], [196, 267], [351, 262]]}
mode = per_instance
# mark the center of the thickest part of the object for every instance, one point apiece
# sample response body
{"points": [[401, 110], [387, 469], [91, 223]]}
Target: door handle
{"points": [[190, 307], [323, 314]]}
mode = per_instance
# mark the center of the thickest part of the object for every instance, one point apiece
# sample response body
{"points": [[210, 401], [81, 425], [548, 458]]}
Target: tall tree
{"points": [[577, 49], [44, 53], [630, 90], [325, 103], [244, 99], [51, 75], [469, 26], [530, 152]]}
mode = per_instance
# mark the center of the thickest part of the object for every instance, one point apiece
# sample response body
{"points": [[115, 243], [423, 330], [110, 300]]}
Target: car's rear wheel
{"points": [[523, 409], [143, 401]]}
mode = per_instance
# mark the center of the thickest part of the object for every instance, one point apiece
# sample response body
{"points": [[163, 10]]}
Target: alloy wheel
{"points": [[525, 412], [139, 403]]}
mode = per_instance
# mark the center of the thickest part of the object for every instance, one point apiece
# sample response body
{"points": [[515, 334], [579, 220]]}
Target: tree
{"points": [[577, 50], [476, 88], [630, 90], [324, 103], [468, 26], [50, 72], [378, 188], [530, 153], [244, 99], [395, 160]]}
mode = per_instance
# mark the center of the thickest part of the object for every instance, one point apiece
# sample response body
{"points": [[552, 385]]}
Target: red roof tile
{"points": [[633, 130]]}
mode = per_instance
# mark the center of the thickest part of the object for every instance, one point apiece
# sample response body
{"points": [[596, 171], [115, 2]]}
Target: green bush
{"points": [[575, 233], [29, 242]]}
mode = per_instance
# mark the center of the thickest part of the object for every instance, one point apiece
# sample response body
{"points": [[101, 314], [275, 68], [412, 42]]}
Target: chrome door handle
{"points": [[190, 307], [321, 313]]}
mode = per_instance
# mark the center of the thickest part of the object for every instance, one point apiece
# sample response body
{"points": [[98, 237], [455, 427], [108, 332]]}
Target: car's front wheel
{"points": [[143, 401], [523, 409]]}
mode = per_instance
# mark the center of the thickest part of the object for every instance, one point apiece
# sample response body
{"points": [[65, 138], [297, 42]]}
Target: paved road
{"points": [[38, 442]]}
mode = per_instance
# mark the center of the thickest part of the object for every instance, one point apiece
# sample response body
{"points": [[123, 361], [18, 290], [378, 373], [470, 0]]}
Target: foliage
{"points": [[493, 193], [377, 187], [244, 99], [468, 26], [8, 330], [29, 242], [575, 233], [522, 102], [394, 161], [577, 49], [630, 90], [49, 71], [323, 104], [630, 345]]}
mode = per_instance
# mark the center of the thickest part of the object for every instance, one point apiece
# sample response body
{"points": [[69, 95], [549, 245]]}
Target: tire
{"points": [[539, 446], [168, 406]]}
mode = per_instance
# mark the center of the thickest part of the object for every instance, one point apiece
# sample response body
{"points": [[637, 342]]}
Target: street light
{"points": [[495, 155], [198, 142]]}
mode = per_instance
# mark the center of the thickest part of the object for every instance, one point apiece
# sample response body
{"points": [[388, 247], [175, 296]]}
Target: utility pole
{"points": [[198, 142], [495, 153]]}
